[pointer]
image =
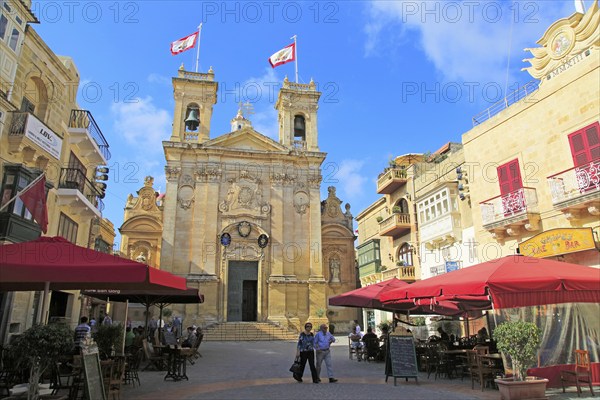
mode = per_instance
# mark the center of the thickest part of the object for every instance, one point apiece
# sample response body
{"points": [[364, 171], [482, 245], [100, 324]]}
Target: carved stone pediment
{"points": [[244, 196], [566, 43]]}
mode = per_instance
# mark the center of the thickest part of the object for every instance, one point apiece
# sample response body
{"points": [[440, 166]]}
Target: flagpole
{"points": [[26, 188], [198, 45], [295, 55]]}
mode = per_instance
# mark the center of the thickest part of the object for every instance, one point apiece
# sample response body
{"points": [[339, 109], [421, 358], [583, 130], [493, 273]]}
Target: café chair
{"points": [[154, 360], [132, 366], [581, 374], [478, 371]]}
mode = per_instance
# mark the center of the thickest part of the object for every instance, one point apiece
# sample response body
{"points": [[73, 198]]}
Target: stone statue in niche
{"points": [[141, 258], [334, 269]]}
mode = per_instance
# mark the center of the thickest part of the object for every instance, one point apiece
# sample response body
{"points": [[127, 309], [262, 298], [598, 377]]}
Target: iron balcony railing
{"points": [[83, 119], [74, 178], [500, 208], [506, 102], [575, 182]]}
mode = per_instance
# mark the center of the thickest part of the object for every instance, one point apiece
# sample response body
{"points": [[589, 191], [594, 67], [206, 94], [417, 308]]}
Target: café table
{"points": [[176, 363]]}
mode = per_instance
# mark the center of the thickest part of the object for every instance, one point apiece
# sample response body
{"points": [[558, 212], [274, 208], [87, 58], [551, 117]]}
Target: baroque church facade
{"points": [[242, 217]]}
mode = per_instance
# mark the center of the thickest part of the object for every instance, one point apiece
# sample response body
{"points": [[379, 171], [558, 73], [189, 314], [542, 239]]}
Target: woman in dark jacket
{"points": [[306, 351]]}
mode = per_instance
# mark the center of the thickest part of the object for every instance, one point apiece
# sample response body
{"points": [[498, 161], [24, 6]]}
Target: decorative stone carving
{"points": [[566, 43], [172, 173], [244, 196], [301, 201], [185, 196], [314, 181], [334, 269], [279, 178], [594, 210]]}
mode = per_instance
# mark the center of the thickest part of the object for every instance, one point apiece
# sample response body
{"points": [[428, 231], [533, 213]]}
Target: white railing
{"points": [[503, 207], [506, 102], [394, 220], [575, 182]]}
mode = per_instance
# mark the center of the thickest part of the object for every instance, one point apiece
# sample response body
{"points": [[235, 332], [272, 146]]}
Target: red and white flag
{"points": [[184, 44], [285, 55], [34, 199]]}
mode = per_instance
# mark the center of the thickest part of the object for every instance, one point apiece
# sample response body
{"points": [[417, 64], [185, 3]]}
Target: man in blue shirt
{"points": [[323, 340]]}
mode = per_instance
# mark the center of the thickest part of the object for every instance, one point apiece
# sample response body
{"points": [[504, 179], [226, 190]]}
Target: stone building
{"points": [[242, 217], [42, 130]]}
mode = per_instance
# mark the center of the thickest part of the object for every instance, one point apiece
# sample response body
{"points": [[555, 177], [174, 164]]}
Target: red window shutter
{"points": [[593, 140], [585, 144], [509, 177]]}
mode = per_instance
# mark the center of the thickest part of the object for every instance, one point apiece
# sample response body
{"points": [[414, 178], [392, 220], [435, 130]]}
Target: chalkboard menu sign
{"points": [[401, 358], [94, 386]]}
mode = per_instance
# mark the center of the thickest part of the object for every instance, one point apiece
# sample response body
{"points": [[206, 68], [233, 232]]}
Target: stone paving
{"points": [[259, 370]]}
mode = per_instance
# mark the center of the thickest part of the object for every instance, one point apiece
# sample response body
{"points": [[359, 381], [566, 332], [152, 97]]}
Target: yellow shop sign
{"points": [[558, 241]]}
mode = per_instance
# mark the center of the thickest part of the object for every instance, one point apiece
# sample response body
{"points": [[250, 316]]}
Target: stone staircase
{"points": [[242, 331]]}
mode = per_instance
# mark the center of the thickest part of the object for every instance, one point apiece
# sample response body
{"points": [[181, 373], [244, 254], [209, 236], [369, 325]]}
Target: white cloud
{"points": [[349, 178], [142, 125], [467, 41], [160, 79], [261, 92]]}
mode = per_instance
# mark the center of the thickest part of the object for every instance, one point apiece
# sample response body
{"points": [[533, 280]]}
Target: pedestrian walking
{"points": [[323, 340], [306, 351]]}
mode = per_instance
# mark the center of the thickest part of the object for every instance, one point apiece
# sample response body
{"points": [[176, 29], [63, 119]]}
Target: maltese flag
{"points": [[184, 44], [283, 56]]}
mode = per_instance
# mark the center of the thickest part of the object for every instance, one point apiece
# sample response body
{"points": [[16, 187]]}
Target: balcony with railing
{"points": [[395, 225], [577, 190], [87, 136], [391, 180], [404, 273], [79, 193], [508, 213]]}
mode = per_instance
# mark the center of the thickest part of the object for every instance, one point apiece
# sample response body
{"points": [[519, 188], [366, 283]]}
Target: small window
{"points": [[14, 38], [3, 26], [7, 7], [67, 228], [19, 20]]}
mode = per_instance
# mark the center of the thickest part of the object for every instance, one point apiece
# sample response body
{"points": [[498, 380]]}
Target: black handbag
{"points": [[296, 367]]}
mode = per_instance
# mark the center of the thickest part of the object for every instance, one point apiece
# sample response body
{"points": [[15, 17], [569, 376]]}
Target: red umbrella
{"points": [[368, 296], [512, 281], [56, 262]]}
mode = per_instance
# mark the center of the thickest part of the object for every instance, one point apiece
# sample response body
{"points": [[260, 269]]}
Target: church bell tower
{"points": [[195, 94], [297, 106]]}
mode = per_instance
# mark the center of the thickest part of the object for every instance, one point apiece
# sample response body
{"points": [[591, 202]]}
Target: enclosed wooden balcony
{"points": [[576, 191], [395, 225], [391, 180], [509, 213]]}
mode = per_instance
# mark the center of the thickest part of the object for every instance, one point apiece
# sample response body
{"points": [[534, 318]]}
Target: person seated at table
{"points": [[129, 337], [371, 343], [355, 342], [443, 335], [191, 338], [482, 335]]}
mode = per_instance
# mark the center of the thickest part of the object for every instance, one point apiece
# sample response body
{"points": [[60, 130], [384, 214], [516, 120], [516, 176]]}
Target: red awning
{"points": [[368, 296], [30, 265], [513, 281]]}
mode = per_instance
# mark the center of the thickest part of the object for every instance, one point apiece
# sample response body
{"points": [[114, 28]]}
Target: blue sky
{"points": [[396, 76]]}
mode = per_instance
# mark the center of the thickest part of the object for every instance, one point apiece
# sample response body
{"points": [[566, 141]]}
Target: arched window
{"points": [[299, 128], [405, 255], [403, 204]]}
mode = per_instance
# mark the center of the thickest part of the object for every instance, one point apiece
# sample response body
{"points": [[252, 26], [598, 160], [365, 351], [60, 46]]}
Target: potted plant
{"points": [[520, 341], [109, 339], [400, 263], [379, 218], [38, 348], [396, 209]]}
